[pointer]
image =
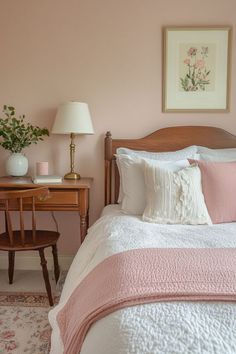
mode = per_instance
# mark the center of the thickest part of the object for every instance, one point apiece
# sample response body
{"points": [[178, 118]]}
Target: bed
{"points": [[175, 326]]}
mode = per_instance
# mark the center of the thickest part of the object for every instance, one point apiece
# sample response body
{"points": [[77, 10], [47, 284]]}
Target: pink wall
{"points": [[106, 53]]}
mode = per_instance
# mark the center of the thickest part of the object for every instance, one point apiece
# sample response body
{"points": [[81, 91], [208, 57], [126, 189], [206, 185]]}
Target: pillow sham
{"points": [[174, 197], [215, 158], [188, 152], [221, 155], [219, 189], [132, 176], [182, 154]]}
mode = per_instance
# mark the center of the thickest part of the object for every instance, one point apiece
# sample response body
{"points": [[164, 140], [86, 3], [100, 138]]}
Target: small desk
{"points": [[70, 195]]}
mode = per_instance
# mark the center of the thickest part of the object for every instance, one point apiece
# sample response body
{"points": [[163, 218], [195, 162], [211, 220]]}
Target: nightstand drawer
{"points": [[62, 199], [59, 197]]}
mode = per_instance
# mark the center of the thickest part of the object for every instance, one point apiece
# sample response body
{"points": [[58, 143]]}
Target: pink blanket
{"points": [[143, 276]]}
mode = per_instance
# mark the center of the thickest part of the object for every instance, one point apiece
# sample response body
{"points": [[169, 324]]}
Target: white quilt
{"points": [[165, 328]]}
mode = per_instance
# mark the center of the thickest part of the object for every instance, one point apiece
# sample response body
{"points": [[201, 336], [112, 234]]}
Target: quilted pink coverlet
{"points": [[143, 276]]}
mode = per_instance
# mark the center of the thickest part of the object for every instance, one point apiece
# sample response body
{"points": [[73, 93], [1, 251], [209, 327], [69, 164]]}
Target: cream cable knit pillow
{"points": [[174, 197]]}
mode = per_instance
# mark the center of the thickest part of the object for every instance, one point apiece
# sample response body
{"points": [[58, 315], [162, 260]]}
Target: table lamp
{"points": [[72, 118]]}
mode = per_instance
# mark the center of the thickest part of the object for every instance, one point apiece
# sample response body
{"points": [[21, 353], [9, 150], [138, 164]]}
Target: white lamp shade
{"points": [[73, 117]]}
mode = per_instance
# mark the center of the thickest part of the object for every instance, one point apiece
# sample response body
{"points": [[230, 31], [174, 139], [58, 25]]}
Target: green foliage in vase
{"points": [[16, 134]]}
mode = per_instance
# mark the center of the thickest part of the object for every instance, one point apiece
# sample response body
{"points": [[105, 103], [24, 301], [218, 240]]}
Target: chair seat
{"points": [[44, 238]]}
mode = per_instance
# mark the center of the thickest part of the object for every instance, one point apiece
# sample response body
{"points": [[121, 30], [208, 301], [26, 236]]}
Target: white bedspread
{"points": [[165, 328]]}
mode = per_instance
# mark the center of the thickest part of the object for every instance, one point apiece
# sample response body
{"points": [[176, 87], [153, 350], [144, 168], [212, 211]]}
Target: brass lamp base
{"points": [[72, 175]]}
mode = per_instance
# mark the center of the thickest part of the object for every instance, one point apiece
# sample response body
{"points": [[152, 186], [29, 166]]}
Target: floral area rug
{"points": [[24, 326]]}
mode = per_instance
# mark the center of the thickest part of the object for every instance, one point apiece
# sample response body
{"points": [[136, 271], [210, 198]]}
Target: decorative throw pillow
{"points": [[219, 189], [174, 197], [186, 153], [132, 176]]}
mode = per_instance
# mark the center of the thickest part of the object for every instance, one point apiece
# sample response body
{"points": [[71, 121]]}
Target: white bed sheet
{"points": [[175, 327]]}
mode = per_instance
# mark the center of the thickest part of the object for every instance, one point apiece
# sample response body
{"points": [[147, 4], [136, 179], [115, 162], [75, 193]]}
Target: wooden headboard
{"points": [[167, 139]]}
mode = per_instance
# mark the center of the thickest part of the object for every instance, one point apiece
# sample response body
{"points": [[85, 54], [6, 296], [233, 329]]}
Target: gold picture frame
{"points": [[196, 65]]}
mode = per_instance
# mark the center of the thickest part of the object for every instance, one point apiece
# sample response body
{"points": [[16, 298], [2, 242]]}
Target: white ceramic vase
{"points": [[17, 164]]}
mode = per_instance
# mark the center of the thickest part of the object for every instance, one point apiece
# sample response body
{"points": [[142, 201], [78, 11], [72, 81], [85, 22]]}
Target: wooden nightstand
{"points": [[70, 195]]}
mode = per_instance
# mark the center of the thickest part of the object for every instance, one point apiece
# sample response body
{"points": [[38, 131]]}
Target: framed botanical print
{"points": [[196, 69]]}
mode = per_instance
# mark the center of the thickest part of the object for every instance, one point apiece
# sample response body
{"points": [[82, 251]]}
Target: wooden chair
{"points": [[27, 240]]}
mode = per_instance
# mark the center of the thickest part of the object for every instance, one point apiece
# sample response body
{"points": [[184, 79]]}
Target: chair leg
{"points": [[56, 264], [45, 275], [11, 263]]}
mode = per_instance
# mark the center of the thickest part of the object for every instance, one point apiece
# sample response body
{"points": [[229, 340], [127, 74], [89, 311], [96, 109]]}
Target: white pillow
{"points": [[216, 155], [216, 158], [186, 153], [133, 183], [174, 197], [121, 193]]}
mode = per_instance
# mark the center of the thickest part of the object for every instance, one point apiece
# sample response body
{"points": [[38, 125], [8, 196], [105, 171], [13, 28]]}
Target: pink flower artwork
{"points": [[200, 63], [196, 76], [187, 61], [192, 51]]}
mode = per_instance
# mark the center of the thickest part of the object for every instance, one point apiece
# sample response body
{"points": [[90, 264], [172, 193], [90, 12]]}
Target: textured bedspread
{"points": [[177, 327]]}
